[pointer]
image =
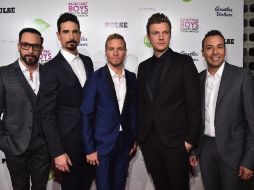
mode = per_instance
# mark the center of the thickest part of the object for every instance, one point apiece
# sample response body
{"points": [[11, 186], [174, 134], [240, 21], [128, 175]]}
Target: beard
{"points": [[29, 60], [71, 45]]}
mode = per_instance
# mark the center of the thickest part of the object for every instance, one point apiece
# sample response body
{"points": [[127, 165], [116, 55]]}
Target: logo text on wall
{"points": [[189, 25], [45, 56], [223, 11], [83, 41], [78, 8], [7, 10], [193, 54], [116, 24]]}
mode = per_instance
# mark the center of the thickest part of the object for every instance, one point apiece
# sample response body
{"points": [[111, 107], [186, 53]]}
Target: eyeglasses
{"points": [[26, 46]]}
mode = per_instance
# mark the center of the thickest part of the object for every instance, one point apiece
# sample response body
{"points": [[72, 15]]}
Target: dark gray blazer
{"points": [[16, 109], [234, 116]]}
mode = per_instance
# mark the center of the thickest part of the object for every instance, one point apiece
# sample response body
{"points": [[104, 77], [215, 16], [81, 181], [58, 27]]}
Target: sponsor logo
{"points": [[193, 54], [152, 9], [78, 8], [223, 11], [147, 9], [147, 42], [40, 24], [7, 10], [45, 56], [189, 25], [83, 41], [116, 24], [230, 41]]}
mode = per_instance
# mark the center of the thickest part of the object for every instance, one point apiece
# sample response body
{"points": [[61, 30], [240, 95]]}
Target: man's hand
{"points": [[133, 149], [92, 158], [245, 173], [187, 146], [193, 161], [62, 162]]}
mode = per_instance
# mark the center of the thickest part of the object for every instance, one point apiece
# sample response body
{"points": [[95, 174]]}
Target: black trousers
{"points": [[81, 173], [216, 174], [168, 167], [33, 164]]}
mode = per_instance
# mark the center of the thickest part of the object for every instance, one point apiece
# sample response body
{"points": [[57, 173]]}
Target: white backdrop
{"points": [[191, 20]]}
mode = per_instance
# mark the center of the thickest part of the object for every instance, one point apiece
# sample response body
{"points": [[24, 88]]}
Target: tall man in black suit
{"points": [[61, 95], [226, 148], [21, 136], [168, 109]]}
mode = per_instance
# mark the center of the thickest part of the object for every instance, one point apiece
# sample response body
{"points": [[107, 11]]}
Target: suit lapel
{"points": [[112, 87], [225, 80], [147, 84], [128, 87], [202, 92], [85, 65], [28, 91], [68, 68], [166, 66]]}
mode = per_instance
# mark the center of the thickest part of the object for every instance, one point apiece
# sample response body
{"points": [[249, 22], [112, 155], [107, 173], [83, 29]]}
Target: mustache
{"points": [[30, 56], [71, 42]]}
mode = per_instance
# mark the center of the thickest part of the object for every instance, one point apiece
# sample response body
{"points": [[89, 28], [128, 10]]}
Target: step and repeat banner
{"points": [[191, 20]]}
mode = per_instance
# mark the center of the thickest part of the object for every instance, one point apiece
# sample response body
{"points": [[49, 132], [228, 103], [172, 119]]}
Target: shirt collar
{"points": [[68, 56], [162, 57], [24, 69], [219, 72], [113, 74]]}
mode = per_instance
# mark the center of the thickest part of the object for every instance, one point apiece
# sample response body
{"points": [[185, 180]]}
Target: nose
{"points": [[71, 36], [161, 36], [115, 52], [30, 50], [215, 51]]}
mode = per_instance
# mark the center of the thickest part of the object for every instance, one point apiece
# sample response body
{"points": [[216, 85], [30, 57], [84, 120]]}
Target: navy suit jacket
{"points": [[101, 117]]}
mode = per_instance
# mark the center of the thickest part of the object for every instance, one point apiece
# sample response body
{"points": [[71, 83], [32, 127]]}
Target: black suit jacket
{"points": [[234, 117], [175, 112], [61, 98], [18, 108]]}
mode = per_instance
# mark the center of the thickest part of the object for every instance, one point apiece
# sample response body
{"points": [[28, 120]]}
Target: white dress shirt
{"points": [[76, 65], [33, 78], [120, 88], [212, 86]]}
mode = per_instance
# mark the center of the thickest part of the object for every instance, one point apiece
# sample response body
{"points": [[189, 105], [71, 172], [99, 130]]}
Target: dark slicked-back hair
{"points": [[65, 17], [115, 36], [30, 30], [157, 18], [212, 33]]}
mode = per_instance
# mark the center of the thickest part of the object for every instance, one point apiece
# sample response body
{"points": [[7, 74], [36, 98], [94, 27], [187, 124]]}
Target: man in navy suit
{"points": [[62, 81], [109, 117], [225, 151]]}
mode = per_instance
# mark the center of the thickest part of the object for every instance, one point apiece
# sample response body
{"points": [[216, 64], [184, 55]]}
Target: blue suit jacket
{"points": [[101, 117]]}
